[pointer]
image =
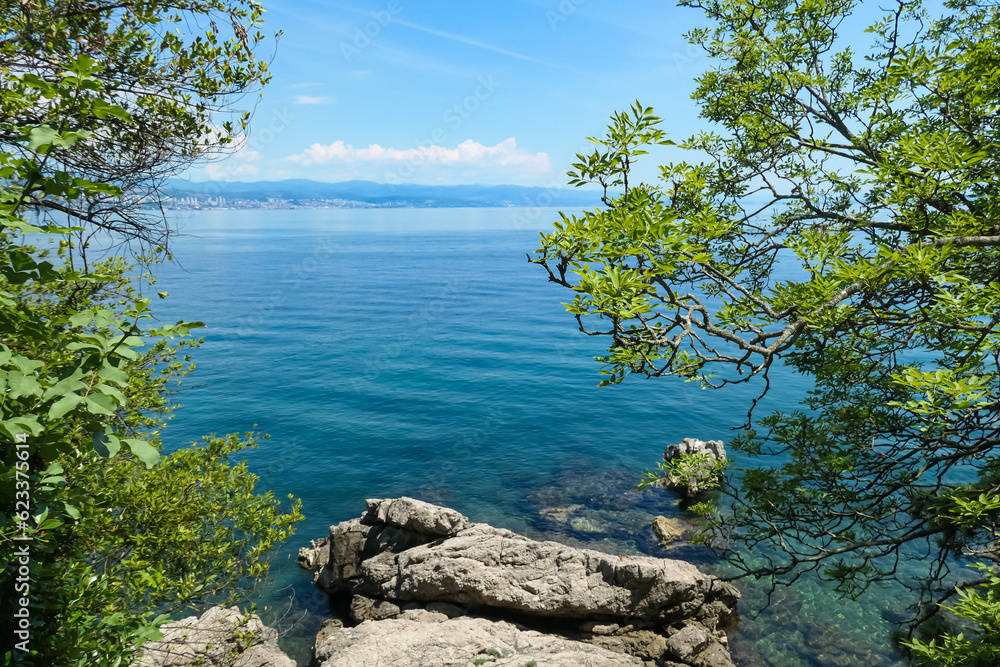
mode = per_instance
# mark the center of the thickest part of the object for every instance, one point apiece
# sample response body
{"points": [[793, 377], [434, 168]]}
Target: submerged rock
{"points": [[670, 530], [403, 553]]}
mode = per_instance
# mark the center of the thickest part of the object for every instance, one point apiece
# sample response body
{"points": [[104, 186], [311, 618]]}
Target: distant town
{"points": [[196, 203], [301, 193]]}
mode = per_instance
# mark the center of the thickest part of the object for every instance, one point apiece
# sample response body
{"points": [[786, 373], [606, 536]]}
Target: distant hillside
{"points": [[380, 194]]}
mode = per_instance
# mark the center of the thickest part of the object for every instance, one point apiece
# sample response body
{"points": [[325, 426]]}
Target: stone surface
{"points": [[668, 530], [599, 628], [491, 567], [415, 515], [714, 655], [694, 645], [422, 639], [693, 484], [315, 556], [349, 543], [643, 644], [691, 640], [369, 609], [406, 562], [219, 638], [446, 608], [331, 626]]}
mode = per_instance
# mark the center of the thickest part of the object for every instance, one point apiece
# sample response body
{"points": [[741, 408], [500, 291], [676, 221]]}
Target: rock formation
{"points": [[219, 638], [705, 454], [405, 564], [419, 638], [671, 530]]}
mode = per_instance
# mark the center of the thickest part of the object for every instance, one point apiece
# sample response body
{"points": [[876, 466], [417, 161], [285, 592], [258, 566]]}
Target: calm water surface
{"points": [[417, 352]]}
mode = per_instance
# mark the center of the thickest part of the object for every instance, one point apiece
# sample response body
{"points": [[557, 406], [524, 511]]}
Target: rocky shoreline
{"points": [[425, 586], [413, 584]]}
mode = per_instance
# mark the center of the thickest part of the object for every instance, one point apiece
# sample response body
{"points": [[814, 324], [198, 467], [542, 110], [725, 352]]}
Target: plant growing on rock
{"points": [[841, 219]]}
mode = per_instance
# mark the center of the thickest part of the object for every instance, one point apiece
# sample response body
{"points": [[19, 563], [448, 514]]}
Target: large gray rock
{"points": [[484, 566], [390, 525], [404, 558], [336, 561], [695, 481], [415, 515], [219, 638], [421, 638], [714, 448]]}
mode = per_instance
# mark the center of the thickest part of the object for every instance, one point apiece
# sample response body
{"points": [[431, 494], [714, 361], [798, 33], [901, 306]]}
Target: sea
{"points": [[418, 352]]}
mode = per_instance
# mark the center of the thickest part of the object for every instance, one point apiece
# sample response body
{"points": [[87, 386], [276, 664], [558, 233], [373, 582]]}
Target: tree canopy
{"points": [[101, 537], [104, 99], [841, 218]]}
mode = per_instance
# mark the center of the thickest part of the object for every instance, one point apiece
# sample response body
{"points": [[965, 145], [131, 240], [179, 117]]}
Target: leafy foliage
{"points": [[98, 102], [979, 604], [842, 219], [697, 471]]}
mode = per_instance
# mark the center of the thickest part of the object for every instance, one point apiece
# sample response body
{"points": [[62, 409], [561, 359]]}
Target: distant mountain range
{"points": [[383, 194]]}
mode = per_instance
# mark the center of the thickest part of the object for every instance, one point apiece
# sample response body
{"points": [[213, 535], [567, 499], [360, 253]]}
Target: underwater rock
{"points": [[586, 524], [668, 530], [559, 514]]}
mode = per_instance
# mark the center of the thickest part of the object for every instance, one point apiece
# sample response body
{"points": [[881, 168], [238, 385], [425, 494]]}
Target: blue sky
{"points": [[448, 92]]}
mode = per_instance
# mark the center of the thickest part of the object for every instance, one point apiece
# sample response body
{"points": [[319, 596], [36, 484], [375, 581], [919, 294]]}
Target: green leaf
{"points": [[113, 374], [143, 451], [26, 365], [101, 404], [16, 426], [64, 405], [106, 444], [41, 136]]}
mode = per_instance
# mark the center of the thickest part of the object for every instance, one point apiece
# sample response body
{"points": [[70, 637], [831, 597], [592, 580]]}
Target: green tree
{"points": [[841, 218], [100, 101]]}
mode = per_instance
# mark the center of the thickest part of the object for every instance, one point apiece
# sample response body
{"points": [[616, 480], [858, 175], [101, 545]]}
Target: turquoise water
{"points": [[417, 352]]}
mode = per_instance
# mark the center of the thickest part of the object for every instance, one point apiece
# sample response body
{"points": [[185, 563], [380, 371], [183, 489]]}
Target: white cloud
{"points": [[230, 172], [468, 153], [237, 165], [309, 99]]}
